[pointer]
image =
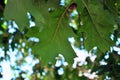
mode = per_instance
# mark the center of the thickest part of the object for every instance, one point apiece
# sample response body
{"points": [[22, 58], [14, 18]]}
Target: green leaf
{"points": [[113, 6], [97, 25], [17, 10], [54, 36]]}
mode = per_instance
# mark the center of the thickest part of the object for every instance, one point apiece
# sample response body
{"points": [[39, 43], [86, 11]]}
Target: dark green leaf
{"points": [[54, 36], [97, 25]]}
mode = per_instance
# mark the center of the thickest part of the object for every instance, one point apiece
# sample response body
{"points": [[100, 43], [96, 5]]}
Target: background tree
{"points": [[52, 31]]}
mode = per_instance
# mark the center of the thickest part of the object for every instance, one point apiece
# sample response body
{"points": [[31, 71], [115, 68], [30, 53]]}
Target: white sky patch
{"points": [[61, 61], [62, 2], [27, 66], [60, 71], [58, 63], [71, 39], [81, 54], [7, 73], [34, 39], [119, 39], [116, 48], [32, 23], [15, 55], [1, 52], [81, 59], [92, 57], [103, 62], [89, 75]]}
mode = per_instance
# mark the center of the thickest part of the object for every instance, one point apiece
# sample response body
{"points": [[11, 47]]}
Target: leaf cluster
{"points": [[97, 24]]}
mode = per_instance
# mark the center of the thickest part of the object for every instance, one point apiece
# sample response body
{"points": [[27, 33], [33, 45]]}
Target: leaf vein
{"points": [[92, 20]]}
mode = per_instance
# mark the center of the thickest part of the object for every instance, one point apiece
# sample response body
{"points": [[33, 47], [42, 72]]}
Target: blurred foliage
{"points": [[92, 23]]}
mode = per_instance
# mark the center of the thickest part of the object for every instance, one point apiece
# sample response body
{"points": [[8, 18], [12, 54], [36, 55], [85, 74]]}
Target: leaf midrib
{"points": [[59, 22], [92, 20]]}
